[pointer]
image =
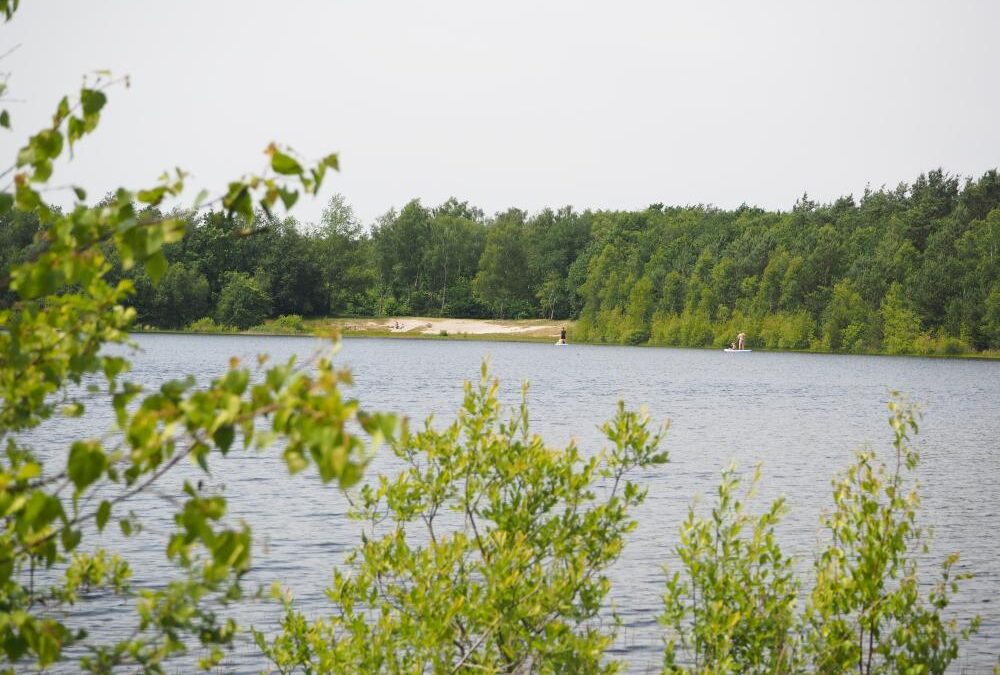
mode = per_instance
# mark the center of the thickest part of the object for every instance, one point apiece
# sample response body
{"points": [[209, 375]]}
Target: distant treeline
{"points": [[915, 269]]}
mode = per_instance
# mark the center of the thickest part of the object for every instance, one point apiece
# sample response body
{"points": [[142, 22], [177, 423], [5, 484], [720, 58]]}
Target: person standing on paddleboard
{"points": [[562, 335], [739, 340]]}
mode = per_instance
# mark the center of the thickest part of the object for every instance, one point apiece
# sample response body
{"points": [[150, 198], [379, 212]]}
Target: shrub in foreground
{"points": [[487, 553], [732, 609]]}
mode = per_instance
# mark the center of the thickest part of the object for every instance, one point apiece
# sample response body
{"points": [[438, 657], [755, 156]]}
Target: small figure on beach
{"points": [[740, 339], [562, 335]]}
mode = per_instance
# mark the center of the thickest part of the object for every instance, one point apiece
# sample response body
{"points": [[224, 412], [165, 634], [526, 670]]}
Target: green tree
{"points": [[900, 324], [553, 240], [638, 311], [242, 302], [551, 295], [345, 257], [400, 244], [456, 242], [502, 283], [18, 231], [991, 319], [288, 265], [181, 297], [847, 325]]}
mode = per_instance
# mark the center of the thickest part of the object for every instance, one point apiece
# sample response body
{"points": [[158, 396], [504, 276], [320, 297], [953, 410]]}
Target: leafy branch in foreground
{"points": [[487, 553], [867, 612], [53, 361], [734, 610]]}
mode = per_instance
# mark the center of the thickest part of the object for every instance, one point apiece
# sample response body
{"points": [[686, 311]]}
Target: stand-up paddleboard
{"points": [[560, 342], [738, 351]]}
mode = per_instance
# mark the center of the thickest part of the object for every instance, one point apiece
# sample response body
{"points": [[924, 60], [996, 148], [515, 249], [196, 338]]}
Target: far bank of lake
{"points": [[492, 330]]}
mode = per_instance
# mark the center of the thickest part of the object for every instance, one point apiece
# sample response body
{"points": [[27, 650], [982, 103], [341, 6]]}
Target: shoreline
{"points": [[537, 331]]}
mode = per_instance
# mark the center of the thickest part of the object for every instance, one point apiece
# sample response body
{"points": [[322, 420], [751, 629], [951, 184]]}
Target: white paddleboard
{"points": [[738, 351], [560, 342]]}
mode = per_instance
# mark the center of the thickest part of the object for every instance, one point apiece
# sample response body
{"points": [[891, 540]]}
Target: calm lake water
{"points": [[801, 415]]}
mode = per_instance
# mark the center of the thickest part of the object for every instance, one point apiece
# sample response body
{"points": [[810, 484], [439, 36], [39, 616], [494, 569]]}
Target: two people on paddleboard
{"points": [[740, 341]]}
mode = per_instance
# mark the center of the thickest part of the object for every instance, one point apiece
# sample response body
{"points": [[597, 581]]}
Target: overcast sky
{"points": [[529, 104]]}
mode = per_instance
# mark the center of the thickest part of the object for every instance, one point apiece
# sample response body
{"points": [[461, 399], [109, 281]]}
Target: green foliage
{"points": [[733, 611], [502, 281], [900, 324], [288, 324], [62, 309], [991, 317], [816, 278], [880, 275], [488, 552], [867, 611], [181, 297], [207, 324], [243, 302], [847, 324]]}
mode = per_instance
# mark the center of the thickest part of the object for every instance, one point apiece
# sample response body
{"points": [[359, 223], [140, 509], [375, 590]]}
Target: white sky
{"points": [[529, 104]]}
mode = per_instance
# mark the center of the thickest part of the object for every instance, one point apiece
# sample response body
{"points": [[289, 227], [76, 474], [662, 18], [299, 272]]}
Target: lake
{"points": [[802, 415]]}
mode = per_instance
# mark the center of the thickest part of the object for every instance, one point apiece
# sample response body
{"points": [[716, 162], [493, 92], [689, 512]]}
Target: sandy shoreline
{"points": [[438, 326]]}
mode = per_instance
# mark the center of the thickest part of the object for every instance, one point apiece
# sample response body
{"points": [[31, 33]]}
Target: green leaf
{"points": [[27, 198], [47, 144], [156, 266], [70, 538], [80, 193], [86, 463], [74, 130], [92, 101], [62, 111], [74, 409], [103, 514], [284, 164], [238, 200], [29, 471], [350, 476], [6, 202], [5, 119], [288, 197], [223, 437], [152, 197]]}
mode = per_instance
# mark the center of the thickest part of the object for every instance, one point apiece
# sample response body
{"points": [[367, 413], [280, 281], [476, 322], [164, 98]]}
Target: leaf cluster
{"points": [[64, 312], [487, 552], [733, 608]]}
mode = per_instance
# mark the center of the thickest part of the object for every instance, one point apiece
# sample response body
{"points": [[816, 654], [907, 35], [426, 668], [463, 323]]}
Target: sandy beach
{"points": [[437, 326]]}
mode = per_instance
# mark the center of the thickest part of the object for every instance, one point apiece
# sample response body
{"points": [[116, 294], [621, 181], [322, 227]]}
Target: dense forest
{"points": [[915, 269]]}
